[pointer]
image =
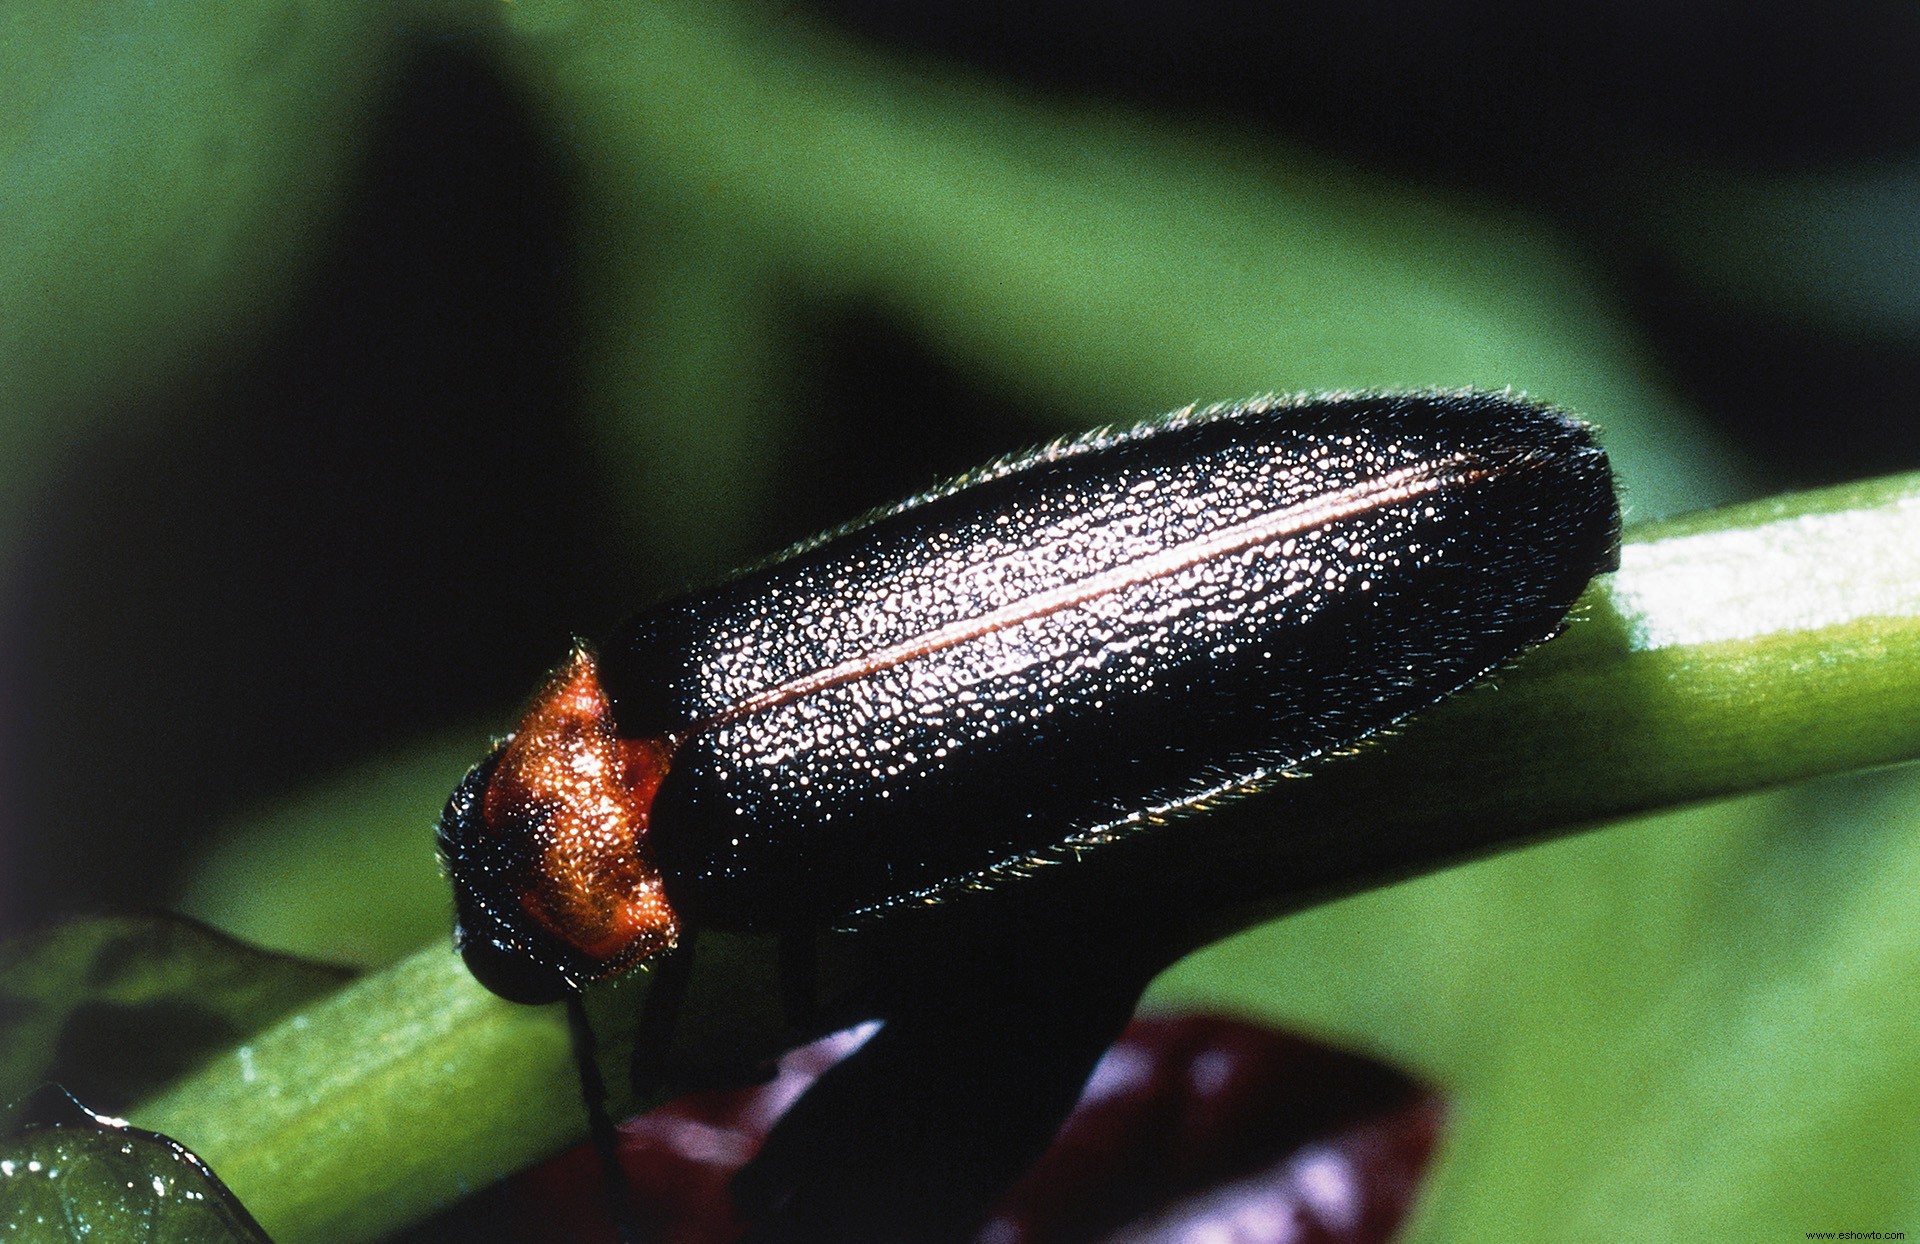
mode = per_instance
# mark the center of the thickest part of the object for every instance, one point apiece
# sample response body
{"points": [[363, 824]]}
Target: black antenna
{"points": [[593, 1091]]}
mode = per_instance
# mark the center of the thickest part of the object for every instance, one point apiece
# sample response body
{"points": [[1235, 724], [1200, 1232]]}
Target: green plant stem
{"points": [[399, 1094], [1734, 650]]}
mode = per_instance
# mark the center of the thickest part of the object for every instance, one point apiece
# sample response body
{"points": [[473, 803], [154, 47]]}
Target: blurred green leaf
{"points": [[1831, 248], [67, 1174], [1112, 264], [346, 873], [115, 1006], [165, 176]]}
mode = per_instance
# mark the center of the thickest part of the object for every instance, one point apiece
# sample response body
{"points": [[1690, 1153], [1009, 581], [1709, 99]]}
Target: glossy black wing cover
{"points": [[1082, 640]]}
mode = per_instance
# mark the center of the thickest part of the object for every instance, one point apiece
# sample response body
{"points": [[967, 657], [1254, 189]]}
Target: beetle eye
{"points": [[497, 958], [509, 971]]}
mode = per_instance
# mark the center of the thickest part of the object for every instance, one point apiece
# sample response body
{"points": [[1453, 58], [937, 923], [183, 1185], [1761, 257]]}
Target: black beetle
{"points": [[1052, 654]]}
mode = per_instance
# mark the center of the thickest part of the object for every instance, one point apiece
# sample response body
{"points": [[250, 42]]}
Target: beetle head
{"points": [[546, 843], [503, 948]]}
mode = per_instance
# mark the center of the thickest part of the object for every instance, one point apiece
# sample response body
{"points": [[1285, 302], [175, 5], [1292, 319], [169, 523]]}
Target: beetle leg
{"points": [[659, 1012], [912, 1138], [593, 1092]]}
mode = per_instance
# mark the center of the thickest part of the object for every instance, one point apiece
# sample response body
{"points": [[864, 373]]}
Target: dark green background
{"points": [[354, 357]]}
